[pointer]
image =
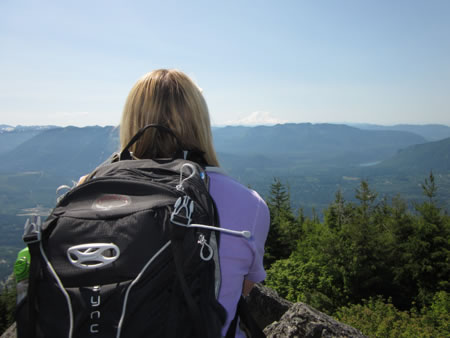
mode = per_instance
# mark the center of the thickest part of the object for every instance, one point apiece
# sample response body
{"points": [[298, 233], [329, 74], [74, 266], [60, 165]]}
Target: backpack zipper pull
{"points": [[202, 241]]}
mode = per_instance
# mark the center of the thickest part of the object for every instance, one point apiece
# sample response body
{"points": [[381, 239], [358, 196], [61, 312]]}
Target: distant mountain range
{"points": [[311, 144], [6, 127], [11, 137], [254, 155], [421, 158], [431, 132], [314, 160], [73, 151]]}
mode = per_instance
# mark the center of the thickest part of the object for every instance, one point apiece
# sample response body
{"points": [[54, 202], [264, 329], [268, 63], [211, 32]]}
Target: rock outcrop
{"points": [[302, 320], [281, 318], [266, 306], [10, 333]]}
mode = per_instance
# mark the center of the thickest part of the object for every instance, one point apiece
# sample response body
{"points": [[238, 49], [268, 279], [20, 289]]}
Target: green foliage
{"points": [[438, 313], [357, 246], [377, 318], [425, 255], [303, 282], [7, 306], [429, 187], [284, 229], [368, 249]]}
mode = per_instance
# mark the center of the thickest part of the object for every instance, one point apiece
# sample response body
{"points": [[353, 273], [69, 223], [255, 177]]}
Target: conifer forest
{"points": [[374, 264]]}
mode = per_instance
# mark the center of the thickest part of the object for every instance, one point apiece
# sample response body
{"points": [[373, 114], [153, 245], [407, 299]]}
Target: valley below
{"points": [[314, 162]]}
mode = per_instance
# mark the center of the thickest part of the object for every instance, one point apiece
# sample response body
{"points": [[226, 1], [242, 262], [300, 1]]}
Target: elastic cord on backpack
{"points": [[184, 208], [244, 233]]}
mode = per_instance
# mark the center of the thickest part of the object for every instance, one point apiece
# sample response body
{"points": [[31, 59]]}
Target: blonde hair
{"points": [[170, 98]]}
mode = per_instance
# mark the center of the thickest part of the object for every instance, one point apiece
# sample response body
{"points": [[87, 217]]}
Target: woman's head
{"points": [[170, 98]]}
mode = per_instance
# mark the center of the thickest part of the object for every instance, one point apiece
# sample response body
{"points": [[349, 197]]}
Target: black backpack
{"points": [[129, 253]]}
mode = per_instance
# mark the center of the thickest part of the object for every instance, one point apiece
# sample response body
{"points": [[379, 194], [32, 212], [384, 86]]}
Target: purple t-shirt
{"points": [[239, 209]]}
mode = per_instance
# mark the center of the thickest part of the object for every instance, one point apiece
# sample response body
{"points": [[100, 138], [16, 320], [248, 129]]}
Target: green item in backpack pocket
{"points": [[22, 265]]}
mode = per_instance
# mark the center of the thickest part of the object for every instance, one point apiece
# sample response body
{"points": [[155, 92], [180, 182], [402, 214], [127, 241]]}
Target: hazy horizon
{"points": [[234, 125]]}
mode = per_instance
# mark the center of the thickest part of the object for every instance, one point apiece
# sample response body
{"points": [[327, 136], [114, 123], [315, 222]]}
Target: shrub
{"points": [[378, 318]]}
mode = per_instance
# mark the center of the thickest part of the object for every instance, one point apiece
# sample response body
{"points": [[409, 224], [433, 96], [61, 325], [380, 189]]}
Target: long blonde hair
{"points": [[170, 98]]}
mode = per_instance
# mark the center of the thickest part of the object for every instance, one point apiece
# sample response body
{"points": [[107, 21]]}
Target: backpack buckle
{"points": [[183, 210], [32, 230]]}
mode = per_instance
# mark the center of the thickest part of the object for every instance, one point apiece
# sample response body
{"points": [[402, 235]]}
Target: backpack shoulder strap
{"points": [[247, 320], [35, 267], [32, 237]]}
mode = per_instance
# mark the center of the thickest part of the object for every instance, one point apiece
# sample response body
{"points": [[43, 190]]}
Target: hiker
{"points": [[131, 251], [170, 98]]}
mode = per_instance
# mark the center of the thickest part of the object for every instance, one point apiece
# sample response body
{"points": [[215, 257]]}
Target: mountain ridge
{"points": [[31, 170], [285, 144], [420, 158], [431, 132], [316, 159], [72, 150]]}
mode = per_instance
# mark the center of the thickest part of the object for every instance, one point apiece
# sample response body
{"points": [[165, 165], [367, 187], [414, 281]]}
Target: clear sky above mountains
{"points": [[382, 62]]}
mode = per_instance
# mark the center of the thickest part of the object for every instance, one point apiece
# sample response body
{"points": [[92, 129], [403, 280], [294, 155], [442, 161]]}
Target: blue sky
{"points": [[383, 62]]}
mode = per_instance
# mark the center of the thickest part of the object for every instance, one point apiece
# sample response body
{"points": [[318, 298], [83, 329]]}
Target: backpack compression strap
{"points": [[32, 238], [177, 235], [246, 319]]}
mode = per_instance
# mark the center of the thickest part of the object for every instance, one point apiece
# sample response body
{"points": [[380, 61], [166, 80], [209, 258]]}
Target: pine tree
{"points": [[429, 188], [338, 213], [361, 247], [430, 246], [284, 230]]}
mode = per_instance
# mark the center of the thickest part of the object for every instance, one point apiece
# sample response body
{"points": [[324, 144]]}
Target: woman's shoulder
{"points": [[222, 183]]}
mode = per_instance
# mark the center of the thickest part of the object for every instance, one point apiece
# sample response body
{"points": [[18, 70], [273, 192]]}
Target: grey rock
{"points": [[302, 320], [10, 333], [265, 305]]}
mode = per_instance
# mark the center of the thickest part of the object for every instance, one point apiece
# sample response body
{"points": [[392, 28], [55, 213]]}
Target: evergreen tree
{"points": [[430, 247], [366, 198], [284, 230], [338, 213], [429, 188], [398, 228], [362, 246]]}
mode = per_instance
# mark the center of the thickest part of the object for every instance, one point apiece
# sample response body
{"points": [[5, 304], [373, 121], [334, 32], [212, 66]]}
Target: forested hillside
{"points": [[420, 158], [374, 264]]}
